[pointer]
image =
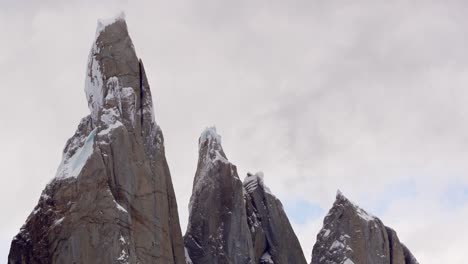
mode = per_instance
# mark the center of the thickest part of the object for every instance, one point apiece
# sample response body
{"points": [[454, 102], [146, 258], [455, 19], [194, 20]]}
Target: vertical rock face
{"points": [[273, 236], [112, 200], [235, 222], [217, 231], [351, 235]]}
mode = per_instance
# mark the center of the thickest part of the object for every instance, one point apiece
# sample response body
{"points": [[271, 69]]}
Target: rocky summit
{"points": [[233, 221], [112, 200], [351, 235]]}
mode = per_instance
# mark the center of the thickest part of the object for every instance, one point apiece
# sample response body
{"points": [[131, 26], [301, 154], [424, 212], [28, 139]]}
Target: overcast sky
{"points": [[369, 97]]}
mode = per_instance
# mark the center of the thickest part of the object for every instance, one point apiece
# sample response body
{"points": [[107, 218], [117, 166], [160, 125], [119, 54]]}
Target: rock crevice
{"points": [[112, 200], [232, 221]]}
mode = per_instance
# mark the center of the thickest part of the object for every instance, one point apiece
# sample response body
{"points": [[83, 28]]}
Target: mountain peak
{"points": [[209, 134], [351, 235], [112, 200], [342, 200], [340, 195], [116, 86], [253, 181], [231, 221], [209, 146], [103, 23]]}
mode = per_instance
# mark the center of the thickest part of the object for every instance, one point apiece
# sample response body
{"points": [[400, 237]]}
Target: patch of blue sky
{"points": [[300, 211], [455, 195], [401, 190]]}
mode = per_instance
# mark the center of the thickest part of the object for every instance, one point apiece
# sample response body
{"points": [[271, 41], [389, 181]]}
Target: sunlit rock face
{"points": [[351, 235], [112, 199]]}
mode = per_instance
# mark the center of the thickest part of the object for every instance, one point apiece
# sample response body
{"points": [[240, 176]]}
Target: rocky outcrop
{"points": [[112, 200], [273, 236], [351, 235], [234, 222], [217, 231]]}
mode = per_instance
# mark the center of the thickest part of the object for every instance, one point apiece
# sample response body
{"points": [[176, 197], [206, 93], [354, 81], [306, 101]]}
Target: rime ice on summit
{"points": [[351, 235], [112, 199], [233, 222], [217, 231]]}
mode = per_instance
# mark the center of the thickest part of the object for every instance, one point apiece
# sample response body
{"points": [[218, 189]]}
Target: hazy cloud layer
{"points": [[366, 96]]}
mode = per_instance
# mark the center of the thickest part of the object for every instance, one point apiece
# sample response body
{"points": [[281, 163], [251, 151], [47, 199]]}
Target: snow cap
{"points": [[253, 181], [103, 23], [209, 146], [210, 135], [116, 83], [96, 79], [342, 200]]}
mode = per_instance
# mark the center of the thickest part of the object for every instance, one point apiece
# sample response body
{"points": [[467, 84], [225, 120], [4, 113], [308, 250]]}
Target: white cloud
{"points": [[319, 95]]}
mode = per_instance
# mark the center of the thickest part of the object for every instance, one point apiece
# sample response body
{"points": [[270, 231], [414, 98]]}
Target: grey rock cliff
{"points": [[217, 231], [112, 200], [351, 235], [274, 238], [234, 222]]}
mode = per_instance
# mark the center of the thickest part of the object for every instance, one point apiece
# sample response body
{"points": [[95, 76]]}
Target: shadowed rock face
{"points": [[274, 238], [351, 235], [235, 222], [217, 231], [112, 200]]}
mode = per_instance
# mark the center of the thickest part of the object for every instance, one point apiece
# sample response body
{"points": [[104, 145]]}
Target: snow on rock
{"points": [[94, 83], [123, 258], [252, 181], [188, 260], [336, 245], [361, 213], [94, 161], [364, 215], [122, 240], [120, 106], [103, 23], [58, 221], [120, 207], [210, 152], [350, 235], [209, 134], [110, 128], [95, 79], [117, 205], [217, 208], [266, 259], [210, 142], [71, 166]]}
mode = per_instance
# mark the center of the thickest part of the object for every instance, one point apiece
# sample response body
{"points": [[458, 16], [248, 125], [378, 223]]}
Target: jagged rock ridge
{"points": [[235, 222], [216, 232], [351, 235], [273, 236], [112, 200]]}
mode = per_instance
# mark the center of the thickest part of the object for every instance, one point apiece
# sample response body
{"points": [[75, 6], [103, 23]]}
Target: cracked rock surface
{"points": [[351, 235], [112, 200], [233, 221]]}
